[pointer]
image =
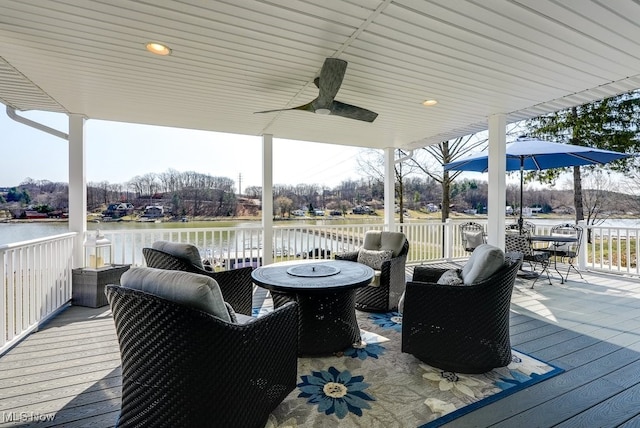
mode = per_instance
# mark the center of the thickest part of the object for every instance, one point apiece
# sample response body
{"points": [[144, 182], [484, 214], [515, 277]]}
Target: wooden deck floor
{"points": [[590, 328]]}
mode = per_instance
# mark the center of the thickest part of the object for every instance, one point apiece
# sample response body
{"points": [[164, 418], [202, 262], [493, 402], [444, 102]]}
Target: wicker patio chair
{"points": [[383, 294], [459, 328], [183, 366], [236, 284]]}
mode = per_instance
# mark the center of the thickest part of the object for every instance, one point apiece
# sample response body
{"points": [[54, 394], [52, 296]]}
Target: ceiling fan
{"points": [[329, 83]]}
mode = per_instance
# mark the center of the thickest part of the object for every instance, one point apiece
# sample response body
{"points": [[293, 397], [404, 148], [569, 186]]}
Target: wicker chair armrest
{"points": [[351, 256], [281, 325], [427, 274], [236, 286], [395, 263], [394, 269], [271, 339]]}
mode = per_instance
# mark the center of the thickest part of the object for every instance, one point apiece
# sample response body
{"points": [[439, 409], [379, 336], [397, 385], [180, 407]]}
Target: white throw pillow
{"points": [[474, 238], [450, 277], [373, 258]]}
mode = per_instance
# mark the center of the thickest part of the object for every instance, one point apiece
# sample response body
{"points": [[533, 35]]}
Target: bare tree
{"points": [[254, 192], [441, 154], [284, 205], [371, 163], [449, 151]]}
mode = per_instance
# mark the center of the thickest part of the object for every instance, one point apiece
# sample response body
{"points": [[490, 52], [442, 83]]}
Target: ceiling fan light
{"points": [[158, 48], [323, 111]]}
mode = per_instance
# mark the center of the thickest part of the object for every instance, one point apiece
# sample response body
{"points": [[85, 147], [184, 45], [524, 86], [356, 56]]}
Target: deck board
{"points": [[590, 328]]}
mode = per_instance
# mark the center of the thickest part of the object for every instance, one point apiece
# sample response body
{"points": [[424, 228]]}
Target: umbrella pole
{"points": [[520, 220]]}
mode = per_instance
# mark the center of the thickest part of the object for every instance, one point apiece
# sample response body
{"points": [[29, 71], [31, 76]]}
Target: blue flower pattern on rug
{"points": [[362, 352], [388, 320], [330, 393], [335, 392]]}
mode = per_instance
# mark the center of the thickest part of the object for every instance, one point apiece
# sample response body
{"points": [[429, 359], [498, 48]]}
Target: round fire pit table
{"points": [[325, 291]]}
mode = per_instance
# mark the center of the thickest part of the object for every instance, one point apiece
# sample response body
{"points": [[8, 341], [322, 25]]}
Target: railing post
{"points": [[3, 302], [448, 239]]}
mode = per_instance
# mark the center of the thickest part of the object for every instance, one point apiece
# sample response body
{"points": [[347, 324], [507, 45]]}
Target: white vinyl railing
{"points": [[233, 246], [36, 275], [612, 249], [36, 278]]}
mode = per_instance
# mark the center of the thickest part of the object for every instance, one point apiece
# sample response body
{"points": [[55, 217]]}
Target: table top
{"points": [[312, 276], [554, 238]]}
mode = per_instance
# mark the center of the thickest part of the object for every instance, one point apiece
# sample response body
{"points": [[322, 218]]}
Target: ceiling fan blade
{"points": [[352, 112], [305, 107], [329, 82]]}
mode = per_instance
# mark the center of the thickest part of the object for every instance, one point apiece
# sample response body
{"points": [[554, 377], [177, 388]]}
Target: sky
{"points": [[117, 152]]}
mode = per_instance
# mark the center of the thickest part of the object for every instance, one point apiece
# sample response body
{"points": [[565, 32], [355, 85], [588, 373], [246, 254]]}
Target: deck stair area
{"points": [[69, 371]]}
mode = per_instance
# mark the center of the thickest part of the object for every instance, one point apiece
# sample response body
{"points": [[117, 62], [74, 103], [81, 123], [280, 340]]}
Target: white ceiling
{"points": [[231, 58]]}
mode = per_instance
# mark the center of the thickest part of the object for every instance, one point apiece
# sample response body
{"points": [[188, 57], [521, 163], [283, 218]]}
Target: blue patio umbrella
{"points": [[532, 154]]}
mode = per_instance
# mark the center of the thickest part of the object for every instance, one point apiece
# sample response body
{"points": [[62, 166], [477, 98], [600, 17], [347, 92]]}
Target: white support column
{"points": [[389, 188], [77, 186], [497, 180], [582, 251], [267, 199]]}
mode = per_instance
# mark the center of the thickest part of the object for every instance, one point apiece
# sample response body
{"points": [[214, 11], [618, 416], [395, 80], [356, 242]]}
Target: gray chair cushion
{"points": [[392, 241], [372, 240], [184, 251], [484, 262], [382, 240], [190, 289]]}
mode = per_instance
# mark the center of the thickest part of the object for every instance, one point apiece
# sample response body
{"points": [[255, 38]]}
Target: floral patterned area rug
{"points": [[376, 385]]}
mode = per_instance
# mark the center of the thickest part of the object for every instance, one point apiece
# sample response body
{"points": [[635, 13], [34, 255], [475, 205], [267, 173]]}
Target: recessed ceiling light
{"points": [[429, 103], [158, 48]]}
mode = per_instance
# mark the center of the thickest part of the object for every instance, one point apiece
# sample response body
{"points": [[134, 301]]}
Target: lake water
{"points": [[17, 232]]}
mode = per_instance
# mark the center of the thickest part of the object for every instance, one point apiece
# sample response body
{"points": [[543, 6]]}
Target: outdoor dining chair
{"points": [[567, 252], [471, 235], [521, 243]]}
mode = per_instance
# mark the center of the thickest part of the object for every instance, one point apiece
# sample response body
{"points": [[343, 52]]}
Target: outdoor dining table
{"points": [[564, 239], [325, 291]]}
